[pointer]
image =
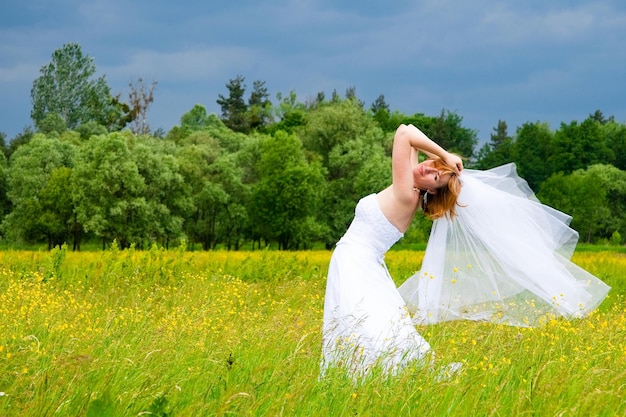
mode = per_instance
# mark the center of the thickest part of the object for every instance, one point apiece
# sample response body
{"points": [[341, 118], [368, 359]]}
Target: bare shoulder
{"points": [[398, 209]]}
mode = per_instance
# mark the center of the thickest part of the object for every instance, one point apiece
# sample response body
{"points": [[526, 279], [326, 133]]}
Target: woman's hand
{"points": [[454, 161]]}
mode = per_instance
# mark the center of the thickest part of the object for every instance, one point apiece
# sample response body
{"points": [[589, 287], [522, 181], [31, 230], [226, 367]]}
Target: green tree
{"points": [[286, 198], [57, 210], [228, 140], [38, 190], [195, 119], [89, 129], [66, 88], [613, 180], [448, 132], [359, 167], [229, 217], [218, 196], [165, 192], [5, 203], [615, 134], [290, 112], [345, 137], [351, 95], [109, 191], [380, 111], [532, 149], [498, 151], [595, 198], [3, 143], [52, 123], [19, 140], [576, 146], [195, 160], [234, 107], [259, 106], [333, 124]]}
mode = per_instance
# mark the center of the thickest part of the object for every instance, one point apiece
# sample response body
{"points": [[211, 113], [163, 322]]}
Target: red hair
{"points": [[444, 202]]}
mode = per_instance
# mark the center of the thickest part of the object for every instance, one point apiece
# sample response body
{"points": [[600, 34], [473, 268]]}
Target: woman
{"points": [[366, 323]]}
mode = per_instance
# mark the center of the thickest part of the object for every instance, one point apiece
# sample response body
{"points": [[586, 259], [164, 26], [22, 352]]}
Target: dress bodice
{"points": [[370, 228]]}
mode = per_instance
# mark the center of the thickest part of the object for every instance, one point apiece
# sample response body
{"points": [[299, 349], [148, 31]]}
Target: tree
{"points": [[19, 140], [229, 218], [195, 160], [599, 117], [195, 119], [333, 124], [533, 148], [259, 106], [234, 106], [448, 132], [165, 192], [5, 203], [140, 97], [345, 137], [66, 87], [38, 182], [290, 112], [380, 111], [286, 198], [615, 134], [109, 191], [498, 151], [595, 198], [89, 129], [613, 180], [52, 123], [576, 146], [3, 143], [379, 104], [351, 95]]}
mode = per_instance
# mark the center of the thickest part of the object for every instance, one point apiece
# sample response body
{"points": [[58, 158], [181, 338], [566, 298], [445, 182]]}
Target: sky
{"points": [[485, 60]]}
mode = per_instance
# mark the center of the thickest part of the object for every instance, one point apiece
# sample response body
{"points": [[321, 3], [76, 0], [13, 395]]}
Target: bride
{"points": [[495, 254], [366, 323]]}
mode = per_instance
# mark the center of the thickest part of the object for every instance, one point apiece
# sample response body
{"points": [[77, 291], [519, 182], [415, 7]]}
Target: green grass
{"points": [[174, 333]]}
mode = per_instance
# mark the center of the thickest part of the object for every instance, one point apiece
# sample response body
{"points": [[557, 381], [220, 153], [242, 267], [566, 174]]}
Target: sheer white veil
{"points": [[504, 258]]}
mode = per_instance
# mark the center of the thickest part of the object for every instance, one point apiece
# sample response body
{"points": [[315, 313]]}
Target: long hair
{"points": [[445, 201]]}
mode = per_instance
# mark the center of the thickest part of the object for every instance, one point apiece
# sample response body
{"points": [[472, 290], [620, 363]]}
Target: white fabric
{"points": [[504, 258], [366, 323]]}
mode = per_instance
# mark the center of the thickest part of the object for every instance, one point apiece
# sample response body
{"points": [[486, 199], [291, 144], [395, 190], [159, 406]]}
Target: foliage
{"points": [[498, 151], [287, 174], [241, 116], [38, 190], [533, 148], [108, 191], [595, 197], [66, 88], [5, 203], [294, 186], [577, 146]]}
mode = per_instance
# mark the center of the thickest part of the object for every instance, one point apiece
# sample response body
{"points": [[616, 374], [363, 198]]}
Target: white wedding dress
{"points": [[366, 323], [505, 258]]}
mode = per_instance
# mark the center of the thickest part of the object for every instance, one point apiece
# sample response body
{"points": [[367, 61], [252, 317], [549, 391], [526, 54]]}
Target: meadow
{"points": [[180, 333]]}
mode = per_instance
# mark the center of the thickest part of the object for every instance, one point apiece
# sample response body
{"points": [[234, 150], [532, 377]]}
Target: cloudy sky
{"points": [[486, 60]]}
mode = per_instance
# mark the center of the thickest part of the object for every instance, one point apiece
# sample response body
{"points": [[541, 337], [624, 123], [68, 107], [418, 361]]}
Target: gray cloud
{"points": [[486, 59]]}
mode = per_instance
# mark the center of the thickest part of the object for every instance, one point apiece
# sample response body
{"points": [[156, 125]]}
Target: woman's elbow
{"points": [[402, 129]]}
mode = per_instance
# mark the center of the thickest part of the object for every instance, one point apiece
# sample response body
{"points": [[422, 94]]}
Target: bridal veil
{"points": [[504, 258]]}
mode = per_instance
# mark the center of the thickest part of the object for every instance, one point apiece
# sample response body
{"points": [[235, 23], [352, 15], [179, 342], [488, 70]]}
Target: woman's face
{"points": [[427, 177]]}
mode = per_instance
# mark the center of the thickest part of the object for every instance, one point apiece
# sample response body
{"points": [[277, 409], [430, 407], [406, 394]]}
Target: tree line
{"points": [[286, 174]]}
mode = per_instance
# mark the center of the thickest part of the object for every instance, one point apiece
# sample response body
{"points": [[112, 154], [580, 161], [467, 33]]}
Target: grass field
{"points": [[174, 333]]}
